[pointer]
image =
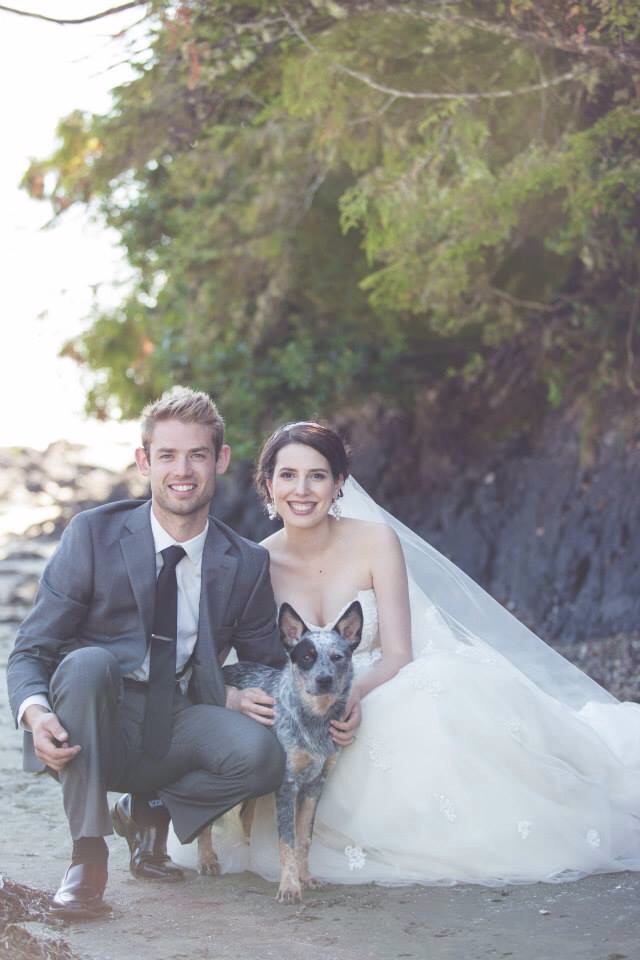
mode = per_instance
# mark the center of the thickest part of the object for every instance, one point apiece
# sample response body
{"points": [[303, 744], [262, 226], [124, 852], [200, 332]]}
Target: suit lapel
{"points": [[218, 574], [139, 556]]}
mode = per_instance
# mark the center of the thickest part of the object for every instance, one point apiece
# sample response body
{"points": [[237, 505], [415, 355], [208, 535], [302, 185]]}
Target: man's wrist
{"points": [[231, 701], [30, 715]]}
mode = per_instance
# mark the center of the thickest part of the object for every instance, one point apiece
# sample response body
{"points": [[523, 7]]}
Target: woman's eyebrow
{"points": [[309, 470]]}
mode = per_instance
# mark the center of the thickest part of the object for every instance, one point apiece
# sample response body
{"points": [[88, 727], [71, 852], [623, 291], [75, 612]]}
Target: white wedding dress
{"points": [[487, 759]]}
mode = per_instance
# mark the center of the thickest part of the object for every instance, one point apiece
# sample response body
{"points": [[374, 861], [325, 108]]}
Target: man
{"points": [[116, 674]]}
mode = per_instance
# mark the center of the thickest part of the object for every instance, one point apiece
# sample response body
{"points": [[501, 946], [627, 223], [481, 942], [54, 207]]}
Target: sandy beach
{"points": [[236, 916]]}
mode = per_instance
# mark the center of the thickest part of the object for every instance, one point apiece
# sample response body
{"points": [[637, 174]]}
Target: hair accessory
{"points": [[272, 513]]}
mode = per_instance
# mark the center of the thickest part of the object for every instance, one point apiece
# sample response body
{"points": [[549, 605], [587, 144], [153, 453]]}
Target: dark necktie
{"points": [[156, 732]]}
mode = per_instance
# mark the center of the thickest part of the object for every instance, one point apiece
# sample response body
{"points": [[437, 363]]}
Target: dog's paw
{"points": [[310, 883], [209, 865], [289, 894]]}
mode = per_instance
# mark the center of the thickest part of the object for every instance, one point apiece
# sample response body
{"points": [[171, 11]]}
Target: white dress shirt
{"points": [[188, 577]]}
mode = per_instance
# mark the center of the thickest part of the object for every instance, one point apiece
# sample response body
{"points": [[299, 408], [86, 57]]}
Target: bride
{"points": [[482, 755]]}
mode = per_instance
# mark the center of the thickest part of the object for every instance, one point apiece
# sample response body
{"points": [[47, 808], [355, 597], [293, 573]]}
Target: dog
{"points": [[310, 692]]}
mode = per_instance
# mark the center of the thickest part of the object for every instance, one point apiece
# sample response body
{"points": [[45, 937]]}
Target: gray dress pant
{"points": [[217, 757]]}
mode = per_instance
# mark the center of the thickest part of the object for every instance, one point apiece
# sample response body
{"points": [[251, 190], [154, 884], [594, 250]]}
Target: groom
{"points": [[115, 673]]}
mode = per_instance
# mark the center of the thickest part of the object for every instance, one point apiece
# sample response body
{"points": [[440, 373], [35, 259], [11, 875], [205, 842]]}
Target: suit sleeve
{"points": [[50, 630], [256, 636]]}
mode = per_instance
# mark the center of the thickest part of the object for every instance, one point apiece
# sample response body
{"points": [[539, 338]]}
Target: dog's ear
{"points": [[349, 626], [291, 626]]}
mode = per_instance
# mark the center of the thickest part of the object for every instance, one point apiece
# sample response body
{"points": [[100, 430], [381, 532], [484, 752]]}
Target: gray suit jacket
{"points": [[98, 589]]}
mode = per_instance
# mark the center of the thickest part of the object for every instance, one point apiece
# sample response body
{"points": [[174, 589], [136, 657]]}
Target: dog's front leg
{"points": [[208, 864], [306, 808], [289, 890], [305, 816]]}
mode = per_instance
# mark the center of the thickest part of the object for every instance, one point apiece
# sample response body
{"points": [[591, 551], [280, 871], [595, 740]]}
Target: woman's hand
{"points": [[343, 731], [253, 702]]}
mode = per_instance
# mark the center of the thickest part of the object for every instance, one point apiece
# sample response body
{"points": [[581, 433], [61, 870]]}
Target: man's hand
{"points": [[343, 731], [253, 702], [50, 739]]}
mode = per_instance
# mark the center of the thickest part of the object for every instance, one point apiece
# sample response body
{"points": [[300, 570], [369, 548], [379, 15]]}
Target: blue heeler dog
{"points": [[309, 693]]}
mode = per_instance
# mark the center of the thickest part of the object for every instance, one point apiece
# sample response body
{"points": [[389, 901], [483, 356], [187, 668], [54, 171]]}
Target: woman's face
{"points": [[303, 486]]}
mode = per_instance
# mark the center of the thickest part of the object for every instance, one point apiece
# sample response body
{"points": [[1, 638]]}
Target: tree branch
{"points": [[430, 95], [621, 56], [633, 321], [580, 48], [524, 304], [93, 16]]}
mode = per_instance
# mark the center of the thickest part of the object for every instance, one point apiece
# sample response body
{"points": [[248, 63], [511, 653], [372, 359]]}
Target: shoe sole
{"points": [[79, 913]]}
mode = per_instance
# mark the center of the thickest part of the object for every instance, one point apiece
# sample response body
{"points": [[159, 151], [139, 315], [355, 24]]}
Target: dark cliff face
{"points": [[547, 529]]}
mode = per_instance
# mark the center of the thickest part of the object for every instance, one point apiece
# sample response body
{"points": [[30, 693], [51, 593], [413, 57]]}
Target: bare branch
{"points": [[93, 16], [519, 302], [430, 95]]}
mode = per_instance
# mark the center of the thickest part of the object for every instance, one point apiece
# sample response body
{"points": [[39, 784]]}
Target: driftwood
{"points": [[19, 905]]}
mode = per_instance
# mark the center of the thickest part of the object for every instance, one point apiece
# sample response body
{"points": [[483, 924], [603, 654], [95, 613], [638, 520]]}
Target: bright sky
{"points": [[46, 71]]}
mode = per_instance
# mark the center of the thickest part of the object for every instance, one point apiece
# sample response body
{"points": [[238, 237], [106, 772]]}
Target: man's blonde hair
{"points": [[187, 406]]}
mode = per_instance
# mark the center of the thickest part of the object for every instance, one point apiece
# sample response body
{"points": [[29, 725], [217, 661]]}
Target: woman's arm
{"points": [[389, 578]]}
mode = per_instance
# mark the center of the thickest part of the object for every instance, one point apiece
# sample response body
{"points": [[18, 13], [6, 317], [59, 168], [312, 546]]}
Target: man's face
{"points": [[181, 465]]}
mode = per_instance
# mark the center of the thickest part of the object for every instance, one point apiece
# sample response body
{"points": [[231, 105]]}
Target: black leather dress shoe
{"points": [[79, 896], [147, 844]]}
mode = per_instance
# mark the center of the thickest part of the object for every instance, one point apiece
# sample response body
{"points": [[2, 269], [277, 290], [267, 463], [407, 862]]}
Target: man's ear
{"points": [[223, 458], [142, 460]]}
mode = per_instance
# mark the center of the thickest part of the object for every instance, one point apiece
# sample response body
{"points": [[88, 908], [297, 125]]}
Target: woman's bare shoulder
{"points": [[368, 532]]}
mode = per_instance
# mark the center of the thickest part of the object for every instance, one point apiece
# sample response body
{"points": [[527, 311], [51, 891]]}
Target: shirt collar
{"points": [[193, 548]]}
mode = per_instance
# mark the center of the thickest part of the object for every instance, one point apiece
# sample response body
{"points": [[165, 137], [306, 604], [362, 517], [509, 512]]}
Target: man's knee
{"points": [[88, 668], [265, 765]]}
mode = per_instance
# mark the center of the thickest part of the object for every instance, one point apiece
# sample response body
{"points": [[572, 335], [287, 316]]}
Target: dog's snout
{"points": [[324, 681]]}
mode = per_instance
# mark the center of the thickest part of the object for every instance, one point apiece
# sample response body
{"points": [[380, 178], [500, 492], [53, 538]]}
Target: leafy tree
{"points": [[327, 201]]}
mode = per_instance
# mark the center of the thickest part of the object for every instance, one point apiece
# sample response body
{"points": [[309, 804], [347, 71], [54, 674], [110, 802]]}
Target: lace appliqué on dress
{"points": [[379, 752], [356, 857], [447, 808], [419, 675]]}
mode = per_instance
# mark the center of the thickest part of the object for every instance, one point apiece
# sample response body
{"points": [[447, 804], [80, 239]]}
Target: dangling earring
{"points": [[272, 513], [335, 509]]}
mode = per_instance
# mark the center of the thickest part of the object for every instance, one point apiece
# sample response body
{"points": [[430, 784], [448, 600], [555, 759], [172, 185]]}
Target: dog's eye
{"points": [[336, 657], [308, 658]]}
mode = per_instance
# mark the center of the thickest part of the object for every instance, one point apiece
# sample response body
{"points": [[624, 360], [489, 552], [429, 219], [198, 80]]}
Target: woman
{"points": [[482, 755]]}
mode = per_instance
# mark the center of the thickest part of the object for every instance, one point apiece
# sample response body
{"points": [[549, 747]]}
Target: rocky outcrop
{"points": [[547, 524]]}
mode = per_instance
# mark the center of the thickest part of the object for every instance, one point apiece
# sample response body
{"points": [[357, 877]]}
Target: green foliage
{"points": [[347, 200]]}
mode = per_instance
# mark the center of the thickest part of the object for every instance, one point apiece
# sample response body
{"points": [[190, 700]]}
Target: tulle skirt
{"points": [[464, 770]]}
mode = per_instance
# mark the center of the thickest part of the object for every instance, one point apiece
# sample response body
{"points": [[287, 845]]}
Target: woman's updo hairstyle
{"points": [[322, 438]]}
